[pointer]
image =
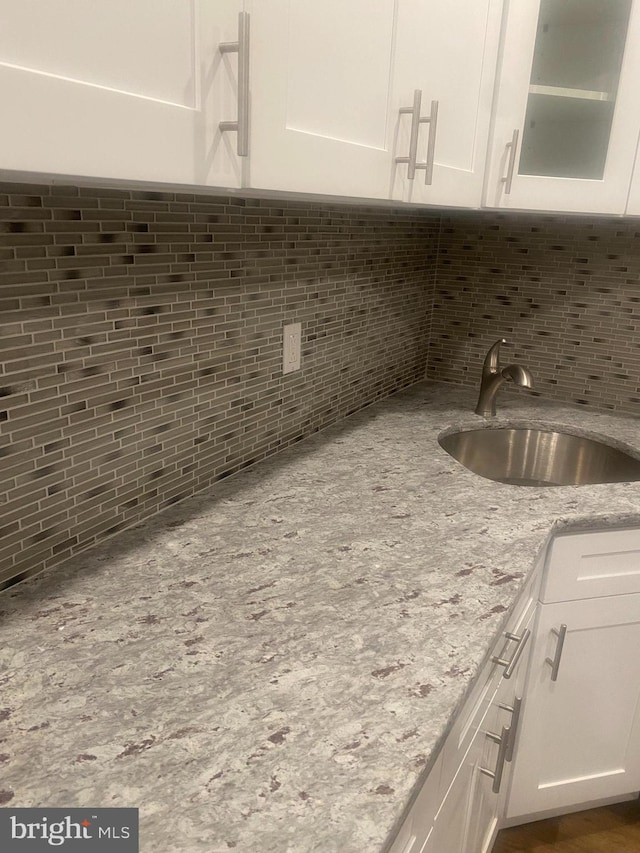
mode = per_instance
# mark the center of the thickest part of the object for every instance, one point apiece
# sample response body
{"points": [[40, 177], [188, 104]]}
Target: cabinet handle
{"points": [[241, 47], [514, 710], [496, 775], [555, 662], [432, 121], [416, 121], [510, 665], [513, 147]]}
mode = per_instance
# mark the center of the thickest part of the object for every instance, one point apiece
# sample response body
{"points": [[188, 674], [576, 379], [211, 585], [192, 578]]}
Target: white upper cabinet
{"points": [[567, 115], [124, 89], [328, 82], [448, 51], [321, 96]]}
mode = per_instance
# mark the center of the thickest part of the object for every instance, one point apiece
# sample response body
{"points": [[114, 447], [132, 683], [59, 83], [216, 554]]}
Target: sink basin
{"points": [[523, 456]]}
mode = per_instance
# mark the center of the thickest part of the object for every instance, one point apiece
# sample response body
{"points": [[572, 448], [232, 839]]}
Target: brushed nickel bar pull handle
{"points": [[241, 47], [416, 121], [555, 662], [511, 664], [496, 775], [432, 121], [514, 710], [513, 148], [413, 137]]}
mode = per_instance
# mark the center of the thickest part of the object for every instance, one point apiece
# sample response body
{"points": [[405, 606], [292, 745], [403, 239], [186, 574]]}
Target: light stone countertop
{"points": [[272, 665]]}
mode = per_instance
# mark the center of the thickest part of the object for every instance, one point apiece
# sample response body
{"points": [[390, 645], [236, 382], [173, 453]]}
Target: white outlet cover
{"points": [[291, 346]]}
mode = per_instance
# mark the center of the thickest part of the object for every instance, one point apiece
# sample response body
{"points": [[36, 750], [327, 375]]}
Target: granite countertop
{"points": [[272, 665]]}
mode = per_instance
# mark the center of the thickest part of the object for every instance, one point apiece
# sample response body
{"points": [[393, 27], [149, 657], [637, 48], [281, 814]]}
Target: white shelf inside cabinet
{"points": [[564, 92]]}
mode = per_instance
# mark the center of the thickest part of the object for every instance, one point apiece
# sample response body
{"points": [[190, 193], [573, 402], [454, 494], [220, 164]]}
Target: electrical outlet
{"points": [[291, 345]]}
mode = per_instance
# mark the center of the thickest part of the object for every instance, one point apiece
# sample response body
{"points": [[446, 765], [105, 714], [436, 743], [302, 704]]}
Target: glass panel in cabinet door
{"points": [[574, 81]]}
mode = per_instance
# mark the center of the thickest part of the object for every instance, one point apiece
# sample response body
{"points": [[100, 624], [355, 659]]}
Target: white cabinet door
{"points": [[124, 89], [418, 824], [580, 736], [467, 819], [450, 829], [328, 80], [487, 805], [320, 96], [449, 52], [456, 810], [484, 798], [568, 89]]}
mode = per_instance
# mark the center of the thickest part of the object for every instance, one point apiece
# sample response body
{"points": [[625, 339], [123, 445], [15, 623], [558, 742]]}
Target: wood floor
{"points": [[615, 829]]}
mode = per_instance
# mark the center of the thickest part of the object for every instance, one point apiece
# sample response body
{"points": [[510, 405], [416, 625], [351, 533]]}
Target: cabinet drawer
{"points": [[592, 565]]}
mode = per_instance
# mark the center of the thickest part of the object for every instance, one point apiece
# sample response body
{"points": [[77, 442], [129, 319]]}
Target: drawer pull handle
{"points": [[513, 147], [554, 662], [416, 121], [503, 741], [241, 47], [510, 665], [514, 710]]}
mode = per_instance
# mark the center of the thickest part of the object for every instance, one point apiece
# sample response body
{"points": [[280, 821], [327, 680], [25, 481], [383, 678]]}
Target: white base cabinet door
{"points": [[450, 830], [329, 81], [418, 824], [481, 820], [498, 734], [457, 809], [468, 818], [120, 90], [467, 821], [580, 734]]}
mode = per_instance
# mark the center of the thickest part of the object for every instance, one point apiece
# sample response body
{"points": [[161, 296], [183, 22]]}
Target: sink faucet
{"points": [[493, 376]]}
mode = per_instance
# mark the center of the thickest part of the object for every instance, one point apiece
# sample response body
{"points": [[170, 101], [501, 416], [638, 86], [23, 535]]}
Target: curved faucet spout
{"points": [[493, 376], [518, 374]]}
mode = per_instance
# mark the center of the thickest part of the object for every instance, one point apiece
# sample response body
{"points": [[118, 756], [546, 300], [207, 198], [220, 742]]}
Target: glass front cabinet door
{"points": [[568, 106]]}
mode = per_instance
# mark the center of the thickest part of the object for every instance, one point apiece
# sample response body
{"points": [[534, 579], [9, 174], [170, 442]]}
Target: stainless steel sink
{"points": [[523, 456]]}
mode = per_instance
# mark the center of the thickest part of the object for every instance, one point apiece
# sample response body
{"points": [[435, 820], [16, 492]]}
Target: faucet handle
{"points": [[492, 358]]}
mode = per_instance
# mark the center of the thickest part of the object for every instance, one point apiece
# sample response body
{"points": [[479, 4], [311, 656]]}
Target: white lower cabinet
{"points": [[552, 724], [457, 814], [467, 818], [580, 738], [449, 831], [459, 805], [488, 799]]}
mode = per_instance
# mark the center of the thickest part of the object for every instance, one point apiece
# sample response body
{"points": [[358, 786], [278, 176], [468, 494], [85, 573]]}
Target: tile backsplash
{"points": [[141, 338], [141, 335], [563, 290]]}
